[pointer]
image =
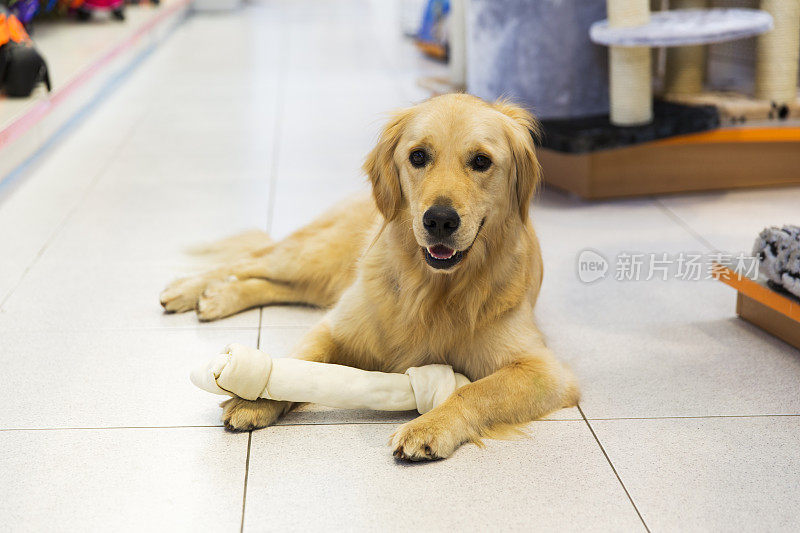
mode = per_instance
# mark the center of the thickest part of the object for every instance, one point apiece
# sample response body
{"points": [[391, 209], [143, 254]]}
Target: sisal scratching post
{"points": [[629, 67], [777, 53], [686, 65], [457, 63]]}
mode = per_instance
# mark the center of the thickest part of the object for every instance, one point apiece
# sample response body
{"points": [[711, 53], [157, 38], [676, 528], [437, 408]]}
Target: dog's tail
{"points": [[238, 246]]}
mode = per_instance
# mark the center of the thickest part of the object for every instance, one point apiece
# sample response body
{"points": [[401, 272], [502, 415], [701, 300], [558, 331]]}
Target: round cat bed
{"points": [[631, 30], [683, 27]]}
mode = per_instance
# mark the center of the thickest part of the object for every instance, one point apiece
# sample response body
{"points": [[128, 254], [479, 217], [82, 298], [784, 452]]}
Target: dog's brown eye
{"points": [[480, 163], [418, 158]]}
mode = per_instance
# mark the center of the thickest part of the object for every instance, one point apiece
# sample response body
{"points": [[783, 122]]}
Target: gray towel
{"points": [[778, 250]]}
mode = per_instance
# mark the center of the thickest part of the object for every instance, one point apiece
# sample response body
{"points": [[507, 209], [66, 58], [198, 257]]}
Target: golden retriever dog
{"points": [[439, 265]]}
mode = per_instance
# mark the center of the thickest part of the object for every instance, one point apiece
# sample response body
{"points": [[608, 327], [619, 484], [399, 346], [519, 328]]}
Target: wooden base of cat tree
{"points": [[724, 158], [775, 313]]}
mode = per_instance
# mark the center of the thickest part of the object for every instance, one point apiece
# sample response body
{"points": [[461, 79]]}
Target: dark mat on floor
{"points": [[597, 133]]}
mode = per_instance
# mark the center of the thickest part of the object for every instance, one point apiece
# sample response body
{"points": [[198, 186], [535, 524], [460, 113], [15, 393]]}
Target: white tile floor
{"points": [[692, 416]]}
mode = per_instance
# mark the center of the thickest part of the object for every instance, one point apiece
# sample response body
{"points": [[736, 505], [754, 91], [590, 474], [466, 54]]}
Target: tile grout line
{"points": [[685, 225], [246, 476], [249, 437], [167, 329], [273, 173], [613, 469], [201, 426], [280, 105], [695, 417], [381, 422], [260, 325], [96, 428]]}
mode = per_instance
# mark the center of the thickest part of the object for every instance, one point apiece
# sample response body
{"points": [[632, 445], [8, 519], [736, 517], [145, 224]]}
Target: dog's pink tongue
{"points": [[441, 252]]}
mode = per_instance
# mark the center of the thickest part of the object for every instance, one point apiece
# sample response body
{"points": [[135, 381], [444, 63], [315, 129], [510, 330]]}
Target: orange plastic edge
{"points": [[737, 135], [764, 295]]}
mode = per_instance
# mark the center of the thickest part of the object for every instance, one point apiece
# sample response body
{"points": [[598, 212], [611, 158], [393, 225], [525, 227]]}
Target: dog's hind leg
{"points": [[228, 297], [184, 294], [247, 244], [279, 276], [314, 265], [305, 268], [320, 259]]}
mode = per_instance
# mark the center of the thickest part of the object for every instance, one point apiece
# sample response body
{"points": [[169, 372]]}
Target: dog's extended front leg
{"points": [[244, 415], [523, 390]]}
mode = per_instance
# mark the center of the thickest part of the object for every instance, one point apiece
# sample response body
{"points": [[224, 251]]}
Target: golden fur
{"points": [[390, 310]]}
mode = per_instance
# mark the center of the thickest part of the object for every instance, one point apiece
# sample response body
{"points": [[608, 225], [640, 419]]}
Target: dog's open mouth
{"points": [[442, 257]]}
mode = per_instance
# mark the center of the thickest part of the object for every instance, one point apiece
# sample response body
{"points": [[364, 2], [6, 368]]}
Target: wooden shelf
{"points": [[772, 311], [726, 158]]}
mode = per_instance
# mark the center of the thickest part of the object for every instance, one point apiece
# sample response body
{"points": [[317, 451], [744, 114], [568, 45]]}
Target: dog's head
{"points": [[454, 165]]}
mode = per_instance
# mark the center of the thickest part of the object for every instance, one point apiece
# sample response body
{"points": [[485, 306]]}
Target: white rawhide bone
{"points": [[251, 374]]}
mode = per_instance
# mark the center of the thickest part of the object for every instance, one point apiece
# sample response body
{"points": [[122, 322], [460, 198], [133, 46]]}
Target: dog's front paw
{"points": [[244, 415], [218, 300], [181, 295], [421, 440]]}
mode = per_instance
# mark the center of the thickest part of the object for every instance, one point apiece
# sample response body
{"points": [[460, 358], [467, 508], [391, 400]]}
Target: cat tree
{"points": [[778, 53], [688, 137], [631, 31]]}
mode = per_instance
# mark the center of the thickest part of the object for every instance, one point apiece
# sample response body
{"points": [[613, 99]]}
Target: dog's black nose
{"points": [[441, 221]]}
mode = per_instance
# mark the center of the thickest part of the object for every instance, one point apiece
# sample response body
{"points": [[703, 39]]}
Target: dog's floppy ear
{"points": [[382, 171], [523, 131]]}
